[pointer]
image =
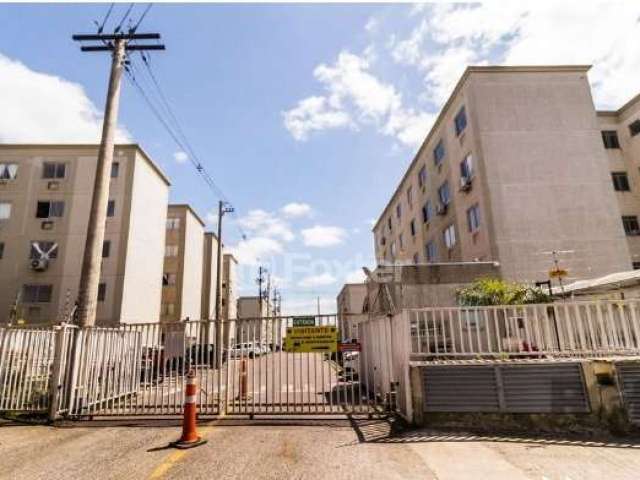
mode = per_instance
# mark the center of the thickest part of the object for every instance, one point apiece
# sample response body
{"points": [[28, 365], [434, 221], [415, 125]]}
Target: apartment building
{"points": [[209, 274], [514, 168], [350, 304], [254, 307], [45, 198], [620, 131], [183, 265]]}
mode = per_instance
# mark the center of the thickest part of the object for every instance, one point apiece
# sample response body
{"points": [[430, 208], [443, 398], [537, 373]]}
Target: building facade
{"points": [[350, 302], [513, 169], [209, 272], [45, 198], [621, 139], [183, 265], [229, 296]]}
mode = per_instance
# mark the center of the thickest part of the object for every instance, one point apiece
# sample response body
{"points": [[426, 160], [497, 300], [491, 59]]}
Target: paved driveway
{"points": [[334, 450]]}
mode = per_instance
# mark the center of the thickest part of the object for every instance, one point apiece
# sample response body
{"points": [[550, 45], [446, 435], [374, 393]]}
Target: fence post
{"points": [[54, 383]]}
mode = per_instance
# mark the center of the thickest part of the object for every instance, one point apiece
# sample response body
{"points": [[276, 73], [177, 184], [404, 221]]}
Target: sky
{"points": [[305, 116]]}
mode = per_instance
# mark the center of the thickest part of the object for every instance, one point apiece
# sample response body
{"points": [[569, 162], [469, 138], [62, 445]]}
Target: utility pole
{"points": [[318, 299], [91, 262], [260, 281], [268, 294], [223, 207]]}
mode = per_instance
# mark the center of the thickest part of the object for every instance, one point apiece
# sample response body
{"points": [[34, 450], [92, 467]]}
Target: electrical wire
{"points": [[106, 17], [124, 18], [144, 14], [168, 119]]}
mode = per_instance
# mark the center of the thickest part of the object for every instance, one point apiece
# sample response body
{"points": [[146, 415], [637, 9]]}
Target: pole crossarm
{"points": [[115, 36], [104, 48]]}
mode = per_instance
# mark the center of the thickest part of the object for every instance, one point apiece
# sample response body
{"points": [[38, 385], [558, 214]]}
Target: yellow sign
{"points": [[311, 339], [558, 273]]}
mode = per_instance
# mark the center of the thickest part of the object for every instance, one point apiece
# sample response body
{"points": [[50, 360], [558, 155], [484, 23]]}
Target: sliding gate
{"points": [[243, 367]]}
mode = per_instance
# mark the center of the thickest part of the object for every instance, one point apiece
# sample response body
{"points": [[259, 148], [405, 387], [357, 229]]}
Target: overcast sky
{"points": [[306, 116]]}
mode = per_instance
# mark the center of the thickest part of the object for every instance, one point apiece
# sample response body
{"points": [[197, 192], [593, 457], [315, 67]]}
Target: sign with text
{"points": [[304, 321], [349, 347], [311, 339]]}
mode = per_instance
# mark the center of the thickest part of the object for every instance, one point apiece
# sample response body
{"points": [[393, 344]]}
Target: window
{"points": [[115, 169], [389, 224], [430, 251], [630, 223], [8, 171], [427, 211], [398, 210], [383, 240], [1, 249], [620, 181], [51, 170], [102, 291], [410, 196], [168, 279], [106, 249], [636, 265], [173, 223], [473, 218], [401, 241], [393, 249], [36, 293], [450, 236], [610, 139], [43, 248], [443, 194], [171, 251], [416, 258], [460, 121], [422, 176], [412, 227], [634, 128], [438, 153], [466, 167], [49, 209], [111, 208], [168, 308], [5, 210]]}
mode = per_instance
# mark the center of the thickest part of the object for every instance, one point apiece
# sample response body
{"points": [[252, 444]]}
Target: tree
{"points": [[493, 291]]}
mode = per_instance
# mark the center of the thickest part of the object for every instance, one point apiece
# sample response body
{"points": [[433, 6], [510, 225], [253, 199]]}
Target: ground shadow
{"points": [[393, 430]]}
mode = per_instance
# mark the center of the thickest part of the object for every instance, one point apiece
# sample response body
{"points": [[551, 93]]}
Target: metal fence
{"points": [[571, 329], [241, 368]]}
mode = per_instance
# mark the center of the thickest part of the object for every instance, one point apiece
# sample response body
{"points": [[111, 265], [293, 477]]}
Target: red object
{"points": [[190, 437], [349, 347]]}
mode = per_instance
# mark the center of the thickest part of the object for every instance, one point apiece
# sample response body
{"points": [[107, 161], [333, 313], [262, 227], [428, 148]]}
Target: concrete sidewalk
{"points": [[327, 451]]}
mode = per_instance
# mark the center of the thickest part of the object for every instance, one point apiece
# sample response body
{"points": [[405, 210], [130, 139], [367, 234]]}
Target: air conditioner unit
{"points": [[441, 208], [39, 264], [465, 183], [53, 185], [47, 225]]}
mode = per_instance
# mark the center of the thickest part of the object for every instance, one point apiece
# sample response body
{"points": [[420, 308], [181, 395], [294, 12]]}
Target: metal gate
{"points": [[629, 380], [241, 366]]}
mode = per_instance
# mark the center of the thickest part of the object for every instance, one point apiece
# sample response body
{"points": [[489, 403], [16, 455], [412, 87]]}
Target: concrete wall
{"points": [[209, 271], [192, 268], [548, 182]]}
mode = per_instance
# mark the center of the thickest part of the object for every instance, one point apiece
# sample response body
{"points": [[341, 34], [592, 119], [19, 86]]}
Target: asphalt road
{"points": [[303, 452]]}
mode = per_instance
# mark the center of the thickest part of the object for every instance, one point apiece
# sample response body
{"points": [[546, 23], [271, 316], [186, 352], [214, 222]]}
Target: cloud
{"points": [[372, 25], [357, 276], [211, 218], [448, 38], [180, 157], [307, 306], [321, 280], [294, 210], [355, 97], [42, 108], [256, 249], [266, 224], [323, 236]]}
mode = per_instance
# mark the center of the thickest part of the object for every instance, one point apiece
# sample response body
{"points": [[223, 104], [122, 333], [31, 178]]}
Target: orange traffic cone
{"points": [[190, 437]]}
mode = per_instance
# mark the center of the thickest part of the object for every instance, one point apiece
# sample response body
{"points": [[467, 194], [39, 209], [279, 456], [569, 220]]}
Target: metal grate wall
{"points": [[629, 379]]}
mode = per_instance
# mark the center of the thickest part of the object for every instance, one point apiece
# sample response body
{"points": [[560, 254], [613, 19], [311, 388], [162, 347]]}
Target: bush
{"points": [[492, 291]]}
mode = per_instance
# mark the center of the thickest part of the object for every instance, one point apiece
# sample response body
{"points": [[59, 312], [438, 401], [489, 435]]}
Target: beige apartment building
{"points": [[621, 139], [514, 168], [183, 265], [350, 302], [209, 273], [45, 197], [228, 289]]}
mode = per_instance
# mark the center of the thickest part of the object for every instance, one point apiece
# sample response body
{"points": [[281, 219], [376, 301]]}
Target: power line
{"points": [[106, 17], [173, 125], [124, 18], [144, 14]]}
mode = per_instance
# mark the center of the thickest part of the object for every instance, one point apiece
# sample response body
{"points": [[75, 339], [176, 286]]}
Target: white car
{"points": [[245, 350]]}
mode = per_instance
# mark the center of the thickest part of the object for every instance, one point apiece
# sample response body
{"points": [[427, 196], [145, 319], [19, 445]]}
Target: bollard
{"points": [[190, 437], [243, 379]]}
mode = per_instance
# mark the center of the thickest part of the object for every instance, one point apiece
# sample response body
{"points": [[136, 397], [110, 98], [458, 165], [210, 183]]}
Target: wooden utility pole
{"points": [[260, 280], [91, 262]]}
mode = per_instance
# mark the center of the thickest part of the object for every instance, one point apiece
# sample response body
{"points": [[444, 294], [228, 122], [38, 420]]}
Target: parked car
{"points": [[246, 350]]}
